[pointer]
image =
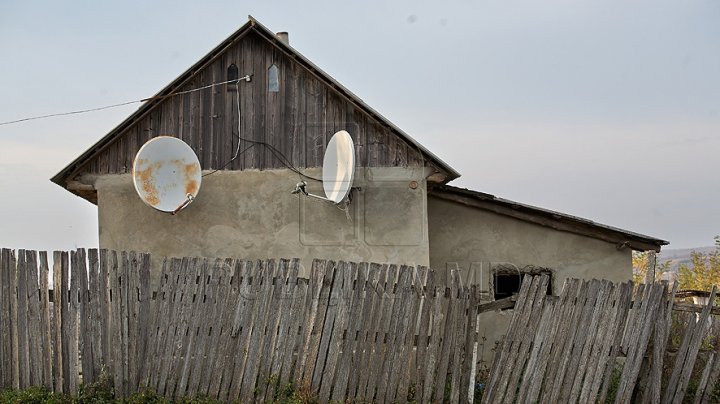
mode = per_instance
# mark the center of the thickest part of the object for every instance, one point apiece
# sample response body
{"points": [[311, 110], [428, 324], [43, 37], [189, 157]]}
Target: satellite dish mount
{"points": [[338, 170]]}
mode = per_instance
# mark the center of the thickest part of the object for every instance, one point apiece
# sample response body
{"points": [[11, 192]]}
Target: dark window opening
{"points": [[232, 72], [508, 284], [273, 79], [232, 75]]}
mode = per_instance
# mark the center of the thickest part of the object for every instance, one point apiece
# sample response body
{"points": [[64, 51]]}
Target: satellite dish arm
{"points": [[300, 189]]}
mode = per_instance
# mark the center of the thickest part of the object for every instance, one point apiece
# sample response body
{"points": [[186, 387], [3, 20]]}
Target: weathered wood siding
{"points": [[298, 120]]}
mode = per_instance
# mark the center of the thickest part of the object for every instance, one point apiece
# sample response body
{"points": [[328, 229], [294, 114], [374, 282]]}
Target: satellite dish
{"points": [[167, 174], [338, 169]]}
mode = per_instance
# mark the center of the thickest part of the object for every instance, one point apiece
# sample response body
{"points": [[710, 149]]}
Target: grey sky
{"points": [[608, 110]]}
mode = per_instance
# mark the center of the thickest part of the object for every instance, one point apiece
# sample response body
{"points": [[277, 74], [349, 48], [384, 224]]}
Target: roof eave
{"points": [[547, 218], [66, 173]]}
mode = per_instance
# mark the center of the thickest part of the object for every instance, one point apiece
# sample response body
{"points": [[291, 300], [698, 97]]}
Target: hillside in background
{"points": [[678, 257]]}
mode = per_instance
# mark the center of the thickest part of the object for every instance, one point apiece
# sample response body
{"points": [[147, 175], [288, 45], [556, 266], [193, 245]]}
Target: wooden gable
{"points": [[297, 120]]}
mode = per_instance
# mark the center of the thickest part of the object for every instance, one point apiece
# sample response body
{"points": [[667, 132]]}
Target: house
{"points": [[402, 210]]}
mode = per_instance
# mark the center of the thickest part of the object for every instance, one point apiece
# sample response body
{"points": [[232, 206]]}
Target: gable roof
{"points": [[68, 173], [548, 218]]}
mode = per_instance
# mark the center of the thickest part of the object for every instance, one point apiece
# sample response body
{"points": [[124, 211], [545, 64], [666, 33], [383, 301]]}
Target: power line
{"points": [[274, 151], [82, 111], [159, 97]]}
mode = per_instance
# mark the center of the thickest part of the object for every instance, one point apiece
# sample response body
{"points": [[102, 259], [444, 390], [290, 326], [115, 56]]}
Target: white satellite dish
{"points": [[167, 174], [338, 169]]}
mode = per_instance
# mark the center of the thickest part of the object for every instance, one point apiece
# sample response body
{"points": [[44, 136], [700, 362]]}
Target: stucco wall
{"points": [[252, 215], [475, 241]]}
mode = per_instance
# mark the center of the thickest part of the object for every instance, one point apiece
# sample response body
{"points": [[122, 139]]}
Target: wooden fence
{"points": [[597, 336], [235, 329], [91, 320]]}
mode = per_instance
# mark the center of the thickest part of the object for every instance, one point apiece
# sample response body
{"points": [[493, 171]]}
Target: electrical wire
{"points": [[159, 97], [82, 111], [274, 151]]}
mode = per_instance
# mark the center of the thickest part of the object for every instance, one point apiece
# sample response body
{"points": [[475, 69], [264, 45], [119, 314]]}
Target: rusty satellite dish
{"points": [[167, 174], [338, 169]]}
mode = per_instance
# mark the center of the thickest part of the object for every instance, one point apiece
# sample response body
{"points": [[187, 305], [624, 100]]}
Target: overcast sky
{"points": [[609, 110]]}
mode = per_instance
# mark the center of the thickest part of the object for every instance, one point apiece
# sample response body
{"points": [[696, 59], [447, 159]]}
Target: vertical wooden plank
{"points": [[407, 374], [372, 308], [439, 305], [347, 274], [266, 379], [103, 312], [45, 352], [251, 384], [259, 100], [301, 306], [679, 379], [709, 379], [246, 94], [14, 319], [590, 333], [224, 340], [322, 273], [349, 371], [469, 360], [459, 339], [62, 280], [204, 305], [144, 316], [352, 348], [396, 363], [502, 351], [192, 328], [280, 339], [229, 342], [85, 321], [272, 119], [519, 326], [131, 284], [116, 340], [561, 356], [243, 323], [376, 385], [540, 355], [220, 277], [5, 337], [161, 312], [660, 338], [612, 342], [178, 330], [646, 318], [297, 313], [93, 312], [33, 320], [73, 319], [22, 316], [412, 373], [608, 373], [427, 289], [327, 334]]}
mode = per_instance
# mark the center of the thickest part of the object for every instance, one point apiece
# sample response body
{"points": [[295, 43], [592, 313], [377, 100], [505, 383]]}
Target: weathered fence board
{"points": [[55, 337], [575, 342]]}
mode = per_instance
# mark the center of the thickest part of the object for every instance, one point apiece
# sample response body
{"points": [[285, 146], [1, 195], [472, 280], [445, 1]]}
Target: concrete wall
{"points": [[252, 215], [476, 241]]}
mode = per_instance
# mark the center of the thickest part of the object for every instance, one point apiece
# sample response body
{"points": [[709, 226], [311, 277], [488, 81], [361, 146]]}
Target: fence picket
{"points": [[45, 334], [233, 329]]}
